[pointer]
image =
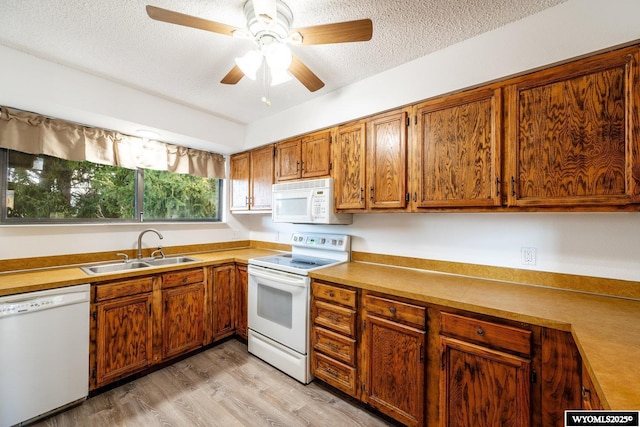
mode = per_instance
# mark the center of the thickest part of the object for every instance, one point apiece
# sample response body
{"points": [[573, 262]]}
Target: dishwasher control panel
{"points": [[18, 304]]}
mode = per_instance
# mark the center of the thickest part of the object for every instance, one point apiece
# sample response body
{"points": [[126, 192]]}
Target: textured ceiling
{"points": [[117, 40]]}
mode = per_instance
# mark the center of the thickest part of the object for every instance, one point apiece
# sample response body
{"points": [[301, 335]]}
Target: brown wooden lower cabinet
{"points": [[394, 345], [223, 300], [333, 336], [182, 319], [485, 377], [242, 292], [123, 325]]}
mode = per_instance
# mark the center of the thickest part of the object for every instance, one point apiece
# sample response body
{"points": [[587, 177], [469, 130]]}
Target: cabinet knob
{"points": [[480, 332], [331, 294], [392, 310]]}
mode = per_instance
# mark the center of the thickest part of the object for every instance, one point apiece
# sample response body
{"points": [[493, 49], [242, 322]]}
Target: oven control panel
{"points": [[334, 242]]}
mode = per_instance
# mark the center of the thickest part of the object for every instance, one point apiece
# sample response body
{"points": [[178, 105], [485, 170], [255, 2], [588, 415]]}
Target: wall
{"points": [[593, 244]]}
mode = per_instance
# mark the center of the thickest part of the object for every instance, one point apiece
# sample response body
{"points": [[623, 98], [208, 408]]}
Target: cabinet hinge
{"points": [[442, 360], [150, 310], [415, 119], [534, 377], [407, 197], [362, 386], [330, 166], [408, 121], [93, 373], [330, 139], [95, 315], [364, 324]]}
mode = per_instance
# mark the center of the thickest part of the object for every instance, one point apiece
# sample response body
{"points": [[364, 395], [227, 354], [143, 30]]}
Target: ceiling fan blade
{"points": [[233, 76], [305, 75], [177, 18], [339, 32]]}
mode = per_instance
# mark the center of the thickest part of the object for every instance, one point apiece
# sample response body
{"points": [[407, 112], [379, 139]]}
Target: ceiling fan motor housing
{"points": [[277, 27]]}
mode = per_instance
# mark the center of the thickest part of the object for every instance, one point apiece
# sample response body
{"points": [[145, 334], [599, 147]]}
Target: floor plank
{"points": [[222, 386]]}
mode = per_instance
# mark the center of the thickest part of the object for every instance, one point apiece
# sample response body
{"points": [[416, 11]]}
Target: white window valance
{"points": [[35, 134]]}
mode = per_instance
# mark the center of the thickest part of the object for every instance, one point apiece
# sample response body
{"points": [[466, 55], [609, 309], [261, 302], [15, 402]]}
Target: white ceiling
{"points": [[116, 39]]}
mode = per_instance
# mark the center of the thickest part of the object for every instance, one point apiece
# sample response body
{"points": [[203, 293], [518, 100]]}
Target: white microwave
{"points": [[306, 202]]}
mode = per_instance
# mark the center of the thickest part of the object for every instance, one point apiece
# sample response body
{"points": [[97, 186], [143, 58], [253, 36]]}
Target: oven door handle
{"points": [[280, 278]]}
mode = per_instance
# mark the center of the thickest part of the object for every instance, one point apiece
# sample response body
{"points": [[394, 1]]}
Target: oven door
{"points": [[278, 305]]}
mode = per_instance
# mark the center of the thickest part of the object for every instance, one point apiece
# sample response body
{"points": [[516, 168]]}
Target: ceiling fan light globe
{"points": [[250, 63], [279, 77], [278, 56]]}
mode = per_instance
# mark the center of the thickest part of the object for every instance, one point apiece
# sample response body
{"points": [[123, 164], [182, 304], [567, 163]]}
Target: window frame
{"points": [[138, 205]]}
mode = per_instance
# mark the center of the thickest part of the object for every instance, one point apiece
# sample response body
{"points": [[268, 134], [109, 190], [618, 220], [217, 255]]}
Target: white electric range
{"points": [[279, 299]]}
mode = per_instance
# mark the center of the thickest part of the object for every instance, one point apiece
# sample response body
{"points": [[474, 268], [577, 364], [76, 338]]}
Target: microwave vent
{"points": [[298, 185]]}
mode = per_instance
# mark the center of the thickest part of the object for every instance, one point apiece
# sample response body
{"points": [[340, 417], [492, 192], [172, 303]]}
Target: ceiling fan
{"points": [[268, 24]]}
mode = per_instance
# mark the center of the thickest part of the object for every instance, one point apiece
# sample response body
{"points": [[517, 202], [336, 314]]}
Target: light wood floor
{"points": [[222, 386]]}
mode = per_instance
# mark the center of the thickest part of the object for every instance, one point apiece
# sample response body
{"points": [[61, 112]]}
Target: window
{"points": [[42, 188]]}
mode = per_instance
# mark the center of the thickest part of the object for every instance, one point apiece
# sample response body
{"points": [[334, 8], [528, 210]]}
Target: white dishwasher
{"points": [[44, 352]]}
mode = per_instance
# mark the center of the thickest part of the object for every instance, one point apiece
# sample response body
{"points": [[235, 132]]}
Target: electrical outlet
{"points": [[528, 256], [235, 234]]}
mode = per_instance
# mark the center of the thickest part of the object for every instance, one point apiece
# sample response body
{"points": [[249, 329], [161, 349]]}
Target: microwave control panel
{"points": [[319, 204]]}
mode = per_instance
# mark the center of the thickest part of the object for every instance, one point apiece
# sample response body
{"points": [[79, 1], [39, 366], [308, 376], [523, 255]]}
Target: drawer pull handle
{"points": [[333, 346], [392, 310], [334, 319], [480, 332], [331, 294], [332, 372]]}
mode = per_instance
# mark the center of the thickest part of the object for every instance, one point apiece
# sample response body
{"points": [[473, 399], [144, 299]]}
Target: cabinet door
{"points": [[387, 161], [288, 163], [261, 178], [573, 133], [395, 379], [458, 151], [223, 301], [349, 165], [482, 387], [182, 324], [316, 155], [124, 340], [242, 284], [239, 188]]}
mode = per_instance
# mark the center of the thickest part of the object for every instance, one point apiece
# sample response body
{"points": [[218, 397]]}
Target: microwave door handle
{"points": [[312, 199]]}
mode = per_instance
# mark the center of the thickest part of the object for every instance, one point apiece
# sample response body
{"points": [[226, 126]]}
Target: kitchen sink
{"points": [[134, 265], [115, 267], [169, 260]]}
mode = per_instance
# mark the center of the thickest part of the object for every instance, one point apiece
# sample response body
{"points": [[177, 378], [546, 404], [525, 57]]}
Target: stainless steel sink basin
{"points": [[134, 265], [169, 260], [115, 267]]}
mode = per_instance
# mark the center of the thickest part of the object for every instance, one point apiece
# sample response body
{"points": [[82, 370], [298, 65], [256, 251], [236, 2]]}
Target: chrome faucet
{"points": [[140, 239]]}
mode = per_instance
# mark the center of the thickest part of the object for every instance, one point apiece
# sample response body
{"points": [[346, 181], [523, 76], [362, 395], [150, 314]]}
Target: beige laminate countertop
{"points": [[41, 279], [606, 329]]}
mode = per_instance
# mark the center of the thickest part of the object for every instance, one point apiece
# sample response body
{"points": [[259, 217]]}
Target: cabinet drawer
{"points": [[332, 372], [335, 345], [334, 294], [184, 277], [413, 315], [123, 288], [334, 317], [487, 333]]}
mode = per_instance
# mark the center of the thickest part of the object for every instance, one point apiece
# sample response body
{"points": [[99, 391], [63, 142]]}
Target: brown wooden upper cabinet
{"points": [[457, 151], [305, 157], [370, 159], [349, 162], [251, 179], [573, 133]]}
